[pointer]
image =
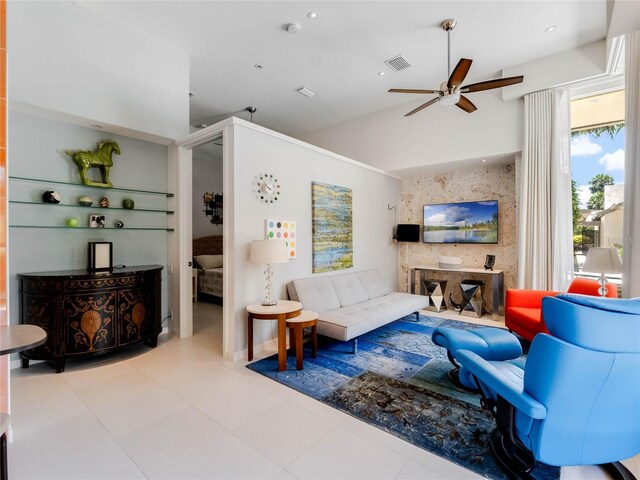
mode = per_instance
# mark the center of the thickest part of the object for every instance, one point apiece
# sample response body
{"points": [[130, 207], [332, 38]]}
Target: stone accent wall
{"points": [[463, 185]]}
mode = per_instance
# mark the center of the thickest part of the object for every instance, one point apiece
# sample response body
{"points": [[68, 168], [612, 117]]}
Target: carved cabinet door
{"points": [[90, 322], [136, 311], [40, 310]]}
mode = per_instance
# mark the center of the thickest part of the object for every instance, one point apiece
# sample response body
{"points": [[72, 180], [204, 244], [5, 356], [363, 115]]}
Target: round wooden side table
{"points": [[282, 311], [306, 319], [15, 338]]}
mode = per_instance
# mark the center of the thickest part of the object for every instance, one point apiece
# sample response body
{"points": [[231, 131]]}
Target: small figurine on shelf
{"points": [[128, 204], [72, 222], [51, 197], [100, 158], [104, 202], [85, 201], [118, 224]]}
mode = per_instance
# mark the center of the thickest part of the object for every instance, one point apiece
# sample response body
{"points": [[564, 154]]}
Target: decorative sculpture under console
{"points": [[100, 158]]}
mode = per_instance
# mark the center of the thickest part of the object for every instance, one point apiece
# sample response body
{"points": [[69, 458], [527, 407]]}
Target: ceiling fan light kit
{"points": [[451, 91]]}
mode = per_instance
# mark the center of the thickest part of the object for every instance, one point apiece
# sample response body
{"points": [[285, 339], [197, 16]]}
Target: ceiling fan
{"points": [[451, 91]]}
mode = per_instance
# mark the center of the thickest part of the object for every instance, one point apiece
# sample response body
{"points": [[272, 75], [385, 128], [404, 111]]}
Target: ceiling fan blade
{"points": [[423, 106], [490, 84], [411, 90], [465, 104], [459, 73]]}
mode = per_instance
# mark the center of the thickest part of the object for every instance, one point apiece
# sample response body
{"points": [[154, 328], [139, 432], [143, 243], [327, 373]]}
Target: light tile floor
{"points": [[180, 411]]}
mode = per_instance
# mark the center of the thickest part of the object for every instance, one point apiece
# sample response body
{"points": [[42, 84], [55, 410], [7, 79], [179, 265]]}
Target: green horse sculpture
{"points": [[100, 158]]}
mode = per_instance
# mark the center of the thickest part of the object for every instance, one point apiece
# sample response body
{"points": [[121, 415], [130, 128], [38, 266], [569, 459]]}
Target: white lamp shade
{"points": [[269, 251], [602, 260]]}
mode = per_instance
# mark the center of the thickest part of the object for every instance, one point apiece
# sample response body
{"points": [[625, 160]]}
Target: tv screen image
{"points": [[463, 222]]}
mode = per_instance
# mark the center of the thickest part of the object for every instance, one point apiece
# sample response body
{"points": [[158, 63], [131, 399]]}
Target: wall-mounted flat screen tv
{"points": [[464, 222]]}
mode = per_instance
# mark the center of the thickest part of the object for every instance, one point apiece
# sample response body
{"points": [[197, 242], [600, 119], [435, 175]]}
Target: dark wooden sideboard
{"points": [[91, 313]]}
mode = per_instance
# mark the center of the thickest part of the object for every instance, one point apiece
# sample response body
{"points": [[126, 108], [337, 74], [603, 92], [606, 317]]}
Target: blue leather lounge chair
{"points": [[577, 401]]}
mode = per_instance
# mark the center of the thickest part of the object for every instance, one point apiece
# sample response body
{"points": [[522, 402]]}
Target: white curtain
{"points": [[545, 230], [631, 240]]}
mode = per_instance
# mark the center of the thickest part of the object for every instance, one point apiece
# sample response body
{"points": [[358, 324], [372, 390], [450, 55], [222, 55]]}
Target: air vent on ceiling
{"points": [[306, 91], [398, 63]]}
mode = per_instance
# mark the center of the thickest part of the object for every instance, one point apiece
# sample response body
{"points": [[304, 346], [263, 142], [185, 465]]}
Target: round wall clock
{"points": [[267, 188]]}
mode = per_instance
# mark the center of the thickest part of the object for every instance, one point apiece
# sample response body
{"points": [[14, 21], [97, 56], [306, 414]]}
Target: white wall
{"points": [[438, 134], [68, 59], [141, 165], [587, 61], [611, 229], [296, 165], [207, 177]]}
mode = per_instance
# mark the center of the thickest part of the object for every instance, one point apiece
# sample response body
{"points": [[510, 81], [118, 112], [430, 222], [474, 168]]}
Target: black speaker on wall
{"points": [[407, 232]]}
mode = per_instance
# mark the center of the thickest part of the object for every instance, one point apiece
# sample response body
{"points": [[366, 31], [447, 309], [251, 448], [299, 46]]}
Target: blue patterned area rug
{"points": [[398, 383]]}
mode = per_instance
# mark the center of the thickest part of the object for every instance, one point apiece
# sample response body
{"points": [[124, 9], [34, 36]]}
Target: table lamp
{"points": [[268, 252], [602, 260]]}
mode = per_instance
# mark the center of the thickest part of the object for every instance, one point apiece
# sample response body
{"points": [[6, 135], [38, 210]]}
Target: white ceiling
{"points": [[340, 53]]}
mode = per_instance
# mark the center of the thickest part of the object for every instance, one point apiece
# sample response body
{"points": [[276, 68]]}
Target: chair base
{"points": [[454, 377], [517, 462], [618, 471]]}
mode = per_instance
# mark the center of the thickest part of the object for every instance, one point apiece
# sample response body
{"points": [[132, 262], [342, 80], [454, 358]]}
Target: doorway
{"points": [[187, 202]]}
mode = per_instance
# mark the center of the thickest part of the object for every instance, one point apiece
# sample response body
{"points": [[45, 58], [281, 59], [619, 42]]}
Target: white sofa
{"points": [[351, 304]]}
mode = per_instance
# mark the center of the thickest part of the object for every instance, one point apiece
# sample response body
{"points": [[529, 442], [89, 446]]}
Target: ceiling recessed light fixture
{"points": [[312, 15], [306, 91], [550, 28], [381, 73], [484, 160], [258, 66]]}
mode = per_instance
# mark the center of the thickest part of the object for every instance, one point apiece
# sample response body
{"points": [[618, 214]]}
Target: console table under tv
{"points": [[87, 313], [494, 279]]}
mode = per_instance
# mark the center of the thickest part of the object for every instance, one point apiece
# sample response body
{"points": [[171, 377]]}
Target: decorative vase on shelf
{"points": [[51, 197], [85, 201], [128, 203]]}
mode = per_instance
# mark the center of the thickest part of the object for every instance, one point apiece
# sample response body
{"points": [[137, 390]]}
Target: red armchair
{"points": [[523, 309]]}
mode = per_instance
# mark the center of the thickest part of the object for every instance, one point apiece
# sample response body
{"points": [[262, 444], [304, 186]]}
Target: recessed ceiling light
{"points": [[550, 28], [312, 15], [381, 73], [484, 160], [258, 66]]}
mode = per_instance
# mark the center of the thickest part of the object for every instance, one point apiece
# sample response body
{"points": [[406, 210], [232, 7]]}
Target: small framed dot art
{"points": [[283, 229]]}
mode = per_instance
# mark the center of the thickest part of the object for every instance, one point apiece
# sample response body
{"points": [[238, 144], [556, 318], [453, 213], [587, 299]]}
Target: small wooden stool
{"points": [[307, 318]]}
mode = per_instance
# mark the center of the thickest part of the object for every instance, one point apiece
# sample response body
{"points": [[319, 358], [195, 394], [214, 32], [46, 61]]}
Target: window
{"points": [[597, 170]]}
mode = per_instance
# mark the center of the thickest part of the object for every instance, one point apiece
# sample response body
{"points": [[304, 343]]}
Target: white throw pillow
{"points": [[209, 261]]}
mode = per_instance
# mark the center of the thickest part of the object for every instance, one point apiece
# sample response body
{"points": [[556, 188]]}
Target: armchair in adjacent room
{"points": [[577, 401], [523, 308]]}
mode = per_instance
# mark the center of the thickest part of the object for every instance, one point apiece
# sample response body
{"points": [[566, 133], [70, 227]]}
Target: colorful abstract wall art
{"points": [[283, 229], [332, 227]]}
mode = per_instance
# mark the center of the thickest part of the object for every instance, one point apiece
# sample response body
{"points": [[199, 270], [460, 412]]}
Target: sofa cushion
{"points": [[352, 321], [526, 318], [349, 289], [373, 283], [316, 293]]}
